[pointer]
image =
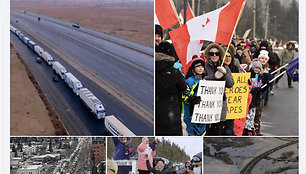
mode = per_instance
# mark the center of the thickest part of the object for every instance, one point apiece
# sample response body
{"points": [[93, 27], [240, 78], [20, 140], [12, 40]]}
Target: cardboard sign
{"points": [[239, 123], [237, 96], [210, 107]]}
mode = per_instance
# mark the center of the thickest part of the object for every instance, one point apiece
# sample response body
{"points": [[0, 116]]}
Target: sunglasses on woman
{"points": [[214, 53]]}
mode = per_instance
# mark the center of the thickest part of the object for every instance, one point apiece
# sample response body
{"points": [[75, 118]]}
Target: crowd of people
{"points": [[145, 163], [176, 87]]}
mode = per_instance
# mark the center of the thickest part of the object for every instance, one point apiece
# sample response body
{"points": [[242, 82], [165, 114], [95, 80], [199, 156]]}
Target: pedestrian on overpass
{"points": [[123, 151]]}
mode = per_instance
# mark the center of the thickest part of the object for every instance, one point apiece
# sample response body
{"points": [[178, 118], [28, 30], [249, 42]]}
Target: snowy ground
{"points": [[242, 155]]}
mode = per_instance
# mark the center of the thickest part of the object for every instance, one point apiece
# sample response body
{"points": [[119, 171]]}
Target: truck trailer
{"points": [[116, 128], [25, 40], [38, 50], [31, 44], [93, 103], [59, 69], [73, 83], [47, 57]]}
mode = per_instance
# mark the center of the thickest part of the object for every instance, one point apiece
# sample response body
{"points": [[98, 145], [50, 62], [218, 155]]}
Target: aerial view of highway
{"points": [[97, 83]]}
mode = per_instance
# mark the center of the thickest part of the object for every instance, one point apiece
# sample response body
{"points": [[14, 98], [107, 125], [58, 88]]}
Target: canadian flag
{"points": [[165, 14], [189, 14], [185, 48], [218, 25]]}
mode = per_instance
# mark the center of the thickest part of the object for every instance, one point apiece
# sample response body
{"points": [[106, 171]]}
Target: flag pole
{"points": [[233, 32], [175, 11]]}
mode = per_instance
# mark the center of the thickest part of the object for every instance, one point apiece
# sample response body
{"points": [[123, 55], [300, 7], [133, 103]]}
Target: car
{"points": [[38, 60], [76, 25], [55, 79]]}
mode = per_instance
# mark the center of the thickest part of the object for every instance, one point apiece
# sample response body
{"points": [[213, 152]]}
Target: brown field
{"points": [[31, 112], [132, 20]]}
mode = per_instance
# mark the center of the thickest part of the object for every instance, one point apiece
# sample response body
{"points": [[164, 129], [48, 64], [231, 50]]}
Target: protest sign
{"points": [[210, 107], [239, 123], [237, 96]]}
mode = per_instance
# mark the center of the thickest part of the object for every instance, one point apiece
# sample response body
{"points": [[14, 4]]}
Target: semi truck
{"points": [[20, 35], [38, 50], [116, 127], [47, 57], [93, 103], [59, 69], [31, 44], [25, 40], [73, 83]]}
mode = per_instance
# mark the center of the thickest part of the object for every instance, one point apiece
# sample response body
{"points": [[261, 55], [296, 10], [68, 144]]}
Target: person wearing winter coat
{"points": [[229, 62], [266, 77], [169, 85], [286, 57], [160, 167], [189, 167], [123, 151], [214, 54], [190, 97], [144, 149], [255, 85], [264, 45], [197, 163]]}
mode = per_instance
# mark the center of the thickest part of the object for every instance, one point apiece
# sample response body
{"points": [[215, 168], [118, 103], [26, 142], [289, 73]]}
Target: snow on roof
{"points": [[47, 155], [31, 167]]}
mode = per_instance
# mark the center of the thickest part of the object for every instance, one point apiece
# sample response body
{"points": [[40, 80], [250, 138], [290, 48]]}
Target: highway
{"points": [[121, 77]]}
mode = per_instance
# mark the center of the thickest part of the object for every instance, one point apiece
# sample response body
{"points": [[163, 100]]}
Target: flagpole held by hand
{"points": [[233, 32]]}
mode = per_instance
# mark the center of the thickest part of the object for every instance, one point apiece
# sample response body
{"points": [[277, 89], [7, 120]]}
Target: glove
{"points": [[218, 75], [221, 69], [194, 99], [153, 145]]}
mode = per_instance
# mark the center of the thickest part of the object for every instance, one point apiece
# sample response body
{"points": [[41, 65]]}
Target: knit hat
{"points": [[264, 44], [264, 53], [256, 64], [159, 30], [197, 159], [111, 165], [239, 48], [197, 61]]}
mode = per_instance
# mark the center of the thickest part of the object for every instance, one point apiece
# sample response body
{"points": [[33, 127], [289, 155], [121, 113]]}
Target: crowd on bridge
{"points": [[176, 88], [146, 164]]}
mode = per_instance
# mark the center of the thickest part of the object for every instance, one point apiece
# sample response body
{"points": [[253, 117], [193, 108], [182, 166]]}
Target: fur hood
{"points": [[293, 45], [213, 45], [164, 57]]}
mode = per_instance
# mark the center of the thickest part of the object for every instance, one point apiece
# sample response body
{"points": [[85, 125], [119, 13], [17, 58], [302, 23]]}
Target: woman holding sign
{"points": [[214, 71]]}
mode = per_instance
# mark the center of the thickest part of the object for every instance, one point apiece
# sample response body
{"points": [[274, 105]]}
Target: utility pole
{"points": [[198, 14], [275, 27], [185, 9], [218, 3], [267, 17], [254, 22], [192, 4]]}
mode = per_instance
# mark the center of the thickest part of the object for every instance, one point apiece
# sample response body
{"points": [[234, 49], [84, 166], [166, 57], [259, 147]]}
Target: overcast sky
{"points": [[193, 145]]}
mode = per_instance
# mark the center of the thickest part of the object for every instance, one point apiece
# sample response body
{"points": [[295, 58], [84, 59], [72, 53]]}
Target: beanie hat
{"points": [[256, 64], [159, 30], [247, 47], [264, 53], [239, 48], [264, 44], [111, 165], [197, 61], [197, 159]]}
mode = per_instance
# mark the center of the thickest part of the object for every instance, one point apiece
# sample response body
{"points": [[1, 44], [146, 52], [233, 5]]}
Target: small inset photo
{"points": [[145, 155], [251, 155], [57, 155]]}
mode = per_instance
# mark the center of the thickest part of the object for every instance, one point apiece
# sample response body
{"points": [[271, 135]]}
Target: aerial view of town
{"points": [[57, 155]]}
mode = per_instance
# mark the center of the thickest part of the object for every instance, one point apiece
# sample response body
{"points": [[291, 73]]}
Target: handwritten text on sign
{"points": [[210, 107], [237, 96]]}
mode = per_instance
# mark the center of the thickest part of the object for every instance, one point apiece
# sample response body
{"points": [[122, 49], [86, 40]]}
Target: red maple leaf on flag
{"points": [[207, 20]]}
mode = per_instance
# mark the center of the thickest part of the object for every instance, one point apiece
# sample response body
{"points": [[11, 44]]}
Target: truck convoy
{"points": [[59, 69], [93, 103], [47, 57], [38, 50], [73, 83], [112, 124]]}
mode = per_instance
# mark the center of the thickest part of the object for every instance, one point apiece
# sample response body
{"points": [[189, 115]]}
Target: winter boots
{"points": [[257, 130]]}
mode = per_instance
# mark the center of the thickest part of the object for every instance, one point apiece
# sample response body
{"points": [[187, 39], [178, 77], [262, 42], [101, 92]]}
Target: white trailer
{"points": [[47, 57], [59, 69], [73, 83], [25, 40], [116, 128], [38, 50], [31, 44], [93, 103]]}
